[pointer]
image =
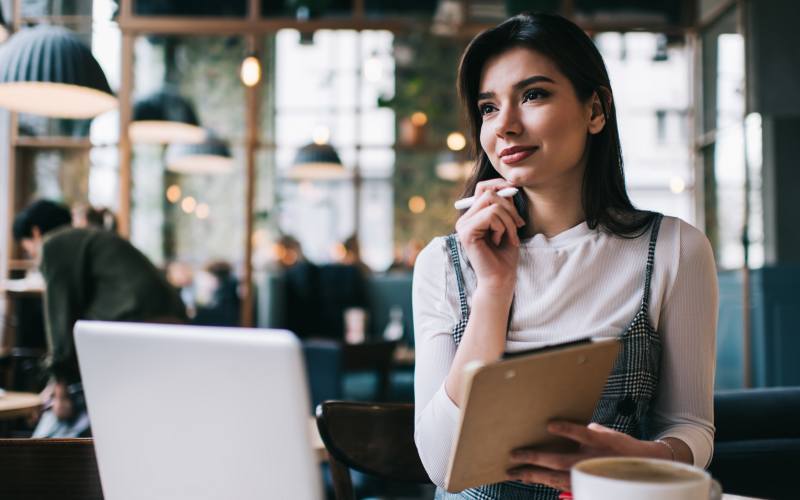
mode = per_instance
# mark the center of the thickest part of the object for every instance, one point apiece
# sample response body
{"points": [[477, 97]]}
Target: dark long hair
{"points": [[604, 197]]}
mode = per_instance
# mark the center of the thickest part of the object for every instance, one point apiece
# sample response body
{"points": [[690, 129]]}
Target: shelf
{"points": [[22, 264], [52, 142]]}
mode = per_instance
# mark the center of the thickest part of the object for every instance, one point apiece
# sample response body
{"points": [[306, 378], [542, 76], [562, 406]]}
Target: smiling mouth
{"points": [[516, 154]]}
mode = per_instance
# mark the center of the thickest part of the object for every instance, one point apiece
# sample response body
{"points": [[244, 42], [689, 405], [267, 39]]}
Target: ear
{"points": [[597, 119], [35, 232]]}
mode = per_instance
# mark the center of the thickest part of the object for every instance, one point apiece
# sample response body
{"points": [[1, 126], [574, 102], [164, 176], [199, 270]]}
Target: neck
{"points": [[557, 206]]}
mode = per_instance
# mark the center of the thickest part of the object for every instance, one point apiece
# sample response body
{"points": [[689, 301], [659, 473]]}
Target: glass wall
{"points": [[328, 92], [650, 78]]}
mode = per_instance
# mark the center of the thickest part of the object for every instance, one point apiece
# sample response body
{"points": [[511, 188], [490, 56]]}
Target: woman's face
{"points": [[535, 129]]}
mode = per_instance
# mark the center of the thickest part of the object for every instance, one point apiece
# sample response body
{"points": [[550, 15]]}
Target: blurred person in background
{"points": [[290, 252], [353, 256], [220, 298], [92, 274], [85, 215]]}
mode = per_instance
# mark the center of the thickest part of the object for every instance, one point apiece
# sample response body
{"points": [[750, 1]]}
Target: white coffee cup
{"points": [[641, 478]]}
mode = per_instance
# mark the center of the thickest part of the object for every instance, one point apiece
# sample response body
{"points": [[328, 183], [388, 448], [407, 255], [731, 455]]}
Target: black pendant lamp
{"points": [[211, 156], [317, 162], [163, 117], [48, 70]]}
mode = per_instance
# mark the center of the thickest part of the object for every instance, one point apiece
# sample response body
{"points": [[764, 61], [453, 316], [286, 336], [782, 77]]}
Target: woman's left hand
{"points": [[595, 441]]}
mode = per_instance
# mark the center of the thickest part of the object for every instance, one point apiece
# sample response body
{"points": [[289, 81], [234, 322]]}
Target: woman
{"points": [[569, 257]]}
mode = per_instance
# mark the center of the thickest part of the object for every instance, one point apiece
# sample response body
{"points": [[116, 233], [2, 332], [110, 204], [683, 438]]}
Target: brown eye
{"points": [[532, 95]]}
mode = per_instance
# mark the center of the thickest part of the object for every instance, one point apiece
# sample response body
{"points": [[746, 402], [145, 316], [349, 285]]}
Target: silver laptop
{"points": [[187, 412]]}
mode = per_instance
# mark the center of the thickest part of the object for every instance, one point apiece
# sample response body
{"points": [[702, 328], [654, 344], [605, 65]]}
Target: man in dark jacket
{"points": [[92, 274]]}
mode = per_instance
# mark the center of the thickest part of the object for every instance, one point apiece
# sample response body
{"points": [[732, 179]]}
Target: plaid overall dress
{"points": [[625, 396]]}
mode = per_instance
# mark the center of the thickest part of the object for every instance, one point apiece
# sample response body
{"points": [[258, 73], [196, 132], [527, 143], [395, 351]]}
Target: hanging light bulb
{"points": [[372, 68], [321, 134], [456, 141], [251, 71]]}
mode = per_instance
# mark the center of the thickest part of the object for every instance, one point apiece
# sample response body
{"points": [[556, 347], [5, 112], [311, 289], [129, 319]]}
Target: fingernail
{"points": [[517, 456], [513, 476], [554, 427]]}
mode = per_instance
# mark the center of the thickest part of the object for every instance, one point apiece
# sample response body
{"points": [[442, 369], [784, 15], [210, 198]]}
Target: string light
{"points": [[174, 193], [188, 204], [251, 71], [416, 204], [456, 141], [202, 211], [337, 251], [372, 68], [321, 134], [677, 185], [419, 119]]}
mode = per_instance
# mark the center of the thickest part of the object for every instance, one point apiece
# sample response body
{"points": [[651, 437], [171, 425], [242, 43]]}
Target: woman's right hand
{"points": [[488, 233]]}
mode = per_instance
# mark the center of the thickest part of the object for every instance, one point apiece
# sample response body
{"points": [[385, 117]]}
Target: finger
{"points": [[491, 185], [548, 460], [492, 198], [507, 225], [536, 475], [492, 217], [577, 432], [489, 199], [497, 227], [476, 228]]}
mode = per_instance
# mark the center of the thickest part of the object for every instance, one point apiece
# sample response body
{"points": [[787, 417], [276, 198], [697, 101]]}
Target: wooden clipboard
{"points": [[510, 403]]}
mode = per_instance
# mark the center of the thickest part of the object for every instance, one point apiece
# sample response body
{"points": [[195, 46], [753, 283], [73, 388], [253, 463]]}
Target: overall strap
{"points": [[462, 295], [651, 254]]}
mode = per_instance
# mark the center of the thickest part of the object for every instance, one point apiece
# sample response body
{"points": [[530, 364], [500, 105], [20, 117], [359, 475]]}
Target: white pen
{"points": [[465, 203]]}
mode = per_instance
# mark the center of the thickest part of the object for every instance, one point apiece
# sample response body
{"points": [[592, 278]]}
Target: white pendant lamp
{"points": [[49, 71]]}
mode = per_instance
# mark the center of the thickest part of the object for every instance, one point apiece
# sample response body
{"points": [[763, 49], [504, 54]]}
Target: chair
{"points": [[371, 356], [43, 469], [323, 365], [376, 439], [23, 361], [757, 442]]}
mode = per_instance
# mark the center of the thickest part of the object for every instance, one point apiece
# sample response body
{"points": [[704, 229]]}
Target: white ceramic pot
{"points": [[589, 483]]}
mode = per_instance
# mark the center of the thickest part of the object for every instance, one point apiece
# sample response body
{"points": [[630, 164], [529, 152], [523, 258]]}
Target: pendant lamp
{"points": [[209, 157], [317, 162], [48, 70], [163, 117]]}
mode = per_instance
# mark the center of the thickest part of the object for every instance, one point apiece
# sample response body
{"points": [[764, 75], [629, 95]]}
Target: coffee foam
{"points": [[639, 471]]}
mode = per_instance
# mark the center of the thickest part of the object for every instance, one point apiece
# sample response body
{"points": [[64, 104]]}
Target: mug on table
{"points": [[639, 478]]}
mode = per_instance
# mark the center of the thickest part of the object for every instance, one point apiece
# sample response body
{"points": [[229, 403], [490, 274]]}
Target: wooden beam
{"points": [[57, 19], [17, 15], [252, 106], [224, 26], [52, 142], [358, 9], [714, 14], [125, 112]]}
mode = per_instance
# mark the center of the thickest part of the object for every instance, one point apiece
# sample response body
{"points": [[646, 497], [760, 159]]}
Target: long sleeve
{"points": [[436, 415], [682, 406], [63, 304]]}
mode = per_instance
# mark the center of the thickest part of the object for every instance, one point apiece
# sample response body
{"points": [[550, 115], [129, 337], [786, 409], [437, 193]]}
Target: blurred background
{"points": [[277, 156]]}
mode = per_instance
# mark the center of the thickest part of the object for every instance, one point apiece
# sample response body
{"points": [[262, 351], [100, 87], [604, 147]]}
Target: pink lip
{"points": [[517, 153]]}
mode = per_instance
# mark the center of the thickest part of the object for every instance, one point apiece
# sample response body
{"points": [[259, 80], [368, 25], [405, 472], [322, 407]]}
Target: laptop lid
{"points": [[197, 412]]}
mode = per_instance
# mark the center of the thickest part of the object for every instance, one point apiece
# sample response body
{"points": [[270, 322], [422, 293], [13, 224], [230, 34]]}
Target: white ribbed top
{"points": [[582, 283]]}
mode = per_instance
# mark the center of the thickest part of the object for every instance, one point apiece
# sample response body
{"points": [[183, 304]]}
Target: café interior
{"points": [[282, 164]]}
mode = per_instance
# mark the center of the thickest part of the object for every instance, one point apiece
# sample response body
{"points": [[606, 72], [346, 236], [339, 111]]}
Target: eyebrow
{"points": [[518, 86]]}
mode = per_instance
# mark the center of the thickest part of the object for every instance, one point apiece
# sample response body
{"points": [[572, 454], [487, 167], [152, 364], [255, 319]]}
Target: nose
{"points": [[508, 122]]}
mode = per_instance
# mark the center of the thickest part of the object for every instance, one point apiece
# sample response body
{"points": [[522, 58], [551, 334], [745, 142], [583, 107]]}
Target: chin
{"points": [[520, 175]]}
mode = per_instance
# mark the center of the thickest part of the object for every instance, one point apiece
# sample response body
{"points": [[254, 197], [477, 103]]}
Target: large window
{"points": [[650, 79], [327, 92]]}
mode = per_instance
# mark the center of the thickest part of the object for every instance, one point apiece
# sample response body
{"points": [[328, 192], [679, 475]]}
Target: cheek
{"points": [[488, 140], [563, 134]]}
